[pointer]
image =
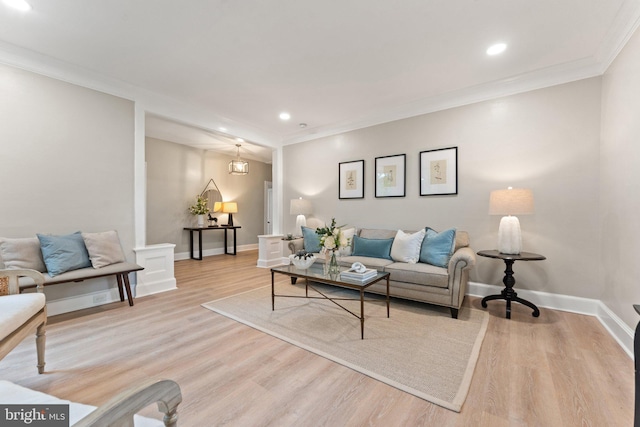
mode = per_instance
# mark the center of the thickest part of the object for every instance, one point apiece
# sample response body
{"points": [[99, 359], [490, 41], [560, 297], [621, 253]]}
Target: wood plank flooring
{"points": [[560, 369]]}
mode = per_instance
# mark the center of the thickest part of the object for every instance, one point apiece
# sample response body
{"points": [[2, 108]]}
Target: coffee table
{"points": [[316, 273]]}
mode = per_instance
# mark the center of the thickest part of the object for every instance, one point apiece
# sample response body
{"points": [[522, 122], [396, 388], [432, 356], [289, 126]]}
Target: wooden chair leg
{"points": [[40, 345]]}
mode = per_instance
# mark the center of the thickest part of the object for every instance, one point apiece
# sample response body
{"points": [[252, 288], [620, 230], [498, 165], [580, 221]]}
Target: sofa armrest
{"points": [[460, 264], [296, 245], [461, 259]]}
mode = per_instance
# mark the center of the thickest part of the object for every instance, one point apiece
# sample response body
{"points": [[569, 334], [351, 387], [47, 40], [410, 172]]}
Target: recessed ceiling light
{"points": [[20, 5], [496, 49], [285, 116], [303, 125], [222, 129], [239, 139]]}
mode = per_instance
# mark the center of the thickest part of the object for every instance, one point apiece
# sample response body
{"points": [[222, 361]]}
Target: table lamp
{"points": [[230, 208], [510, 202], [300, 207]]}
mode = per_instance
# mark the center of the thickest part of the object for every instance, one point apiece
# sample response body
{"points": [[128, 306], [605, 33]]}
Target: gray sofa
{"points": [[420, 281]]}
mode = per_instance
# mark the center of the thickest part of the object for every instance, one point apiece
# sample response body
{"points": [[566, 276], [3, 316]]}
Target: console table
{"points": [[199, 230], [508, 293]]}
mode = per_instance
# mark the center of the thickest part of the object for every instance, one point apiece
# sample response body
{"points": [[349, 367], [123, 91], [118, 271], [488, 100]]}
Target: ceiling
{"points": [[334, 65]]}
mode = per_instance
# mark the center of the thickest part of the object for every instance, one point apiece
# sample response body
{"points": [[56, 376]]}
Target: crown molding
{"points": [[624, 26], [551, 76], [151, 102]]}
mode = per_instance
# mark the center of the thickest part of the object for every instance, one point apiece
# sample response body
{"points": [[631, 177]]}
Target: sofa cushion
{"points": [[103, 248], [376, 248], [462, 240], [421, 274], [377, 263], [63, 253], [376, 233], [406, 247], [22, 253], [437, 248], [311, 239]]}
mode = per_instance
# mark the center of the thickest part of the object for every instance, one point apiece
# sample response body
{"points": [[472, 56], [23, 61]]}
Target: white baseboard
{"points": [[622, 333], [217, 251], [79, 302]]}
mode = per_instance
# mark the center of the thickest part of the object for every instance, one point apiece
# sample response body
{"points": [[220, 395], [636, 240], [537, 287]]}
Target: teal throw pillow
{"points": [[63, 253], [311, 239], [375, 248], [437, 248]]}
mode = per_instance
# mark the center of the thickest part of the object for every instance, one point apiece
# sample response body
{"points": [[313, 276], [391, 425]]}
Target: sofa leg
{"points": [[454, 313], [293, 280]]}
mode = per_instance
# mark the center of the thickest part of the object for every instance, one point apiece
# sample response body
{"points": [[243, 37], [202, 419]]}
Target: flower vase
{"points": [[334, 268], [200, 220]]}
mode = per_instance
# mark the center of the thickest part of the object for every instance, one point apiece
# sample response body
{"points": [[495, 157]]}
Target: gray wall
{"points": [[67, 162], [620, 183], [177, 173], [546, 140]]}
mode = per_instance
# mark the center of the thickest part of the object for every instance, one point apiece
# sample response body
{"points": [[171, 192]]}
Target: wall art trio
{"points": [[438, 175]]}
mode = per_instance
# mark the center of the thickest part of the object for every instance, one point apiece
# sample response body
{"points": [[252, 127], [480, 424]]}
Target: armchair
{"points": [[22, 314]]}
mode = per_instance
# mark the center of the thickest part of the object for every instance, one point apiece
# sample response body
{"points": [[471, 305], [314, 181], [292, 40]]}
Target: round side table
{"points": [[508, 294]]}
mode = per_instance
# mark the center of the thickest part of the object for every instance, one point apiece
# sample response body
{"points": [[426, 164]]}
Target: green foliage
{"points": [[200, 208]]}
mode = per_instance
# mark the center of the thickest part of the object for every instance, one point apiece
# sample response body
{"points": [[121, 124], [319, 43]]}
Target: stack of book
{"points": [[352, 275]]}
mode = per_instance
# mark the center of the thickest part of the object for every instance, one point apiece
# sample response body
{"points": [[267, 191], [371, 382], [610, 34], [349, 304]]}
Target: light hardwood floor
{"points": [[560, 369]]}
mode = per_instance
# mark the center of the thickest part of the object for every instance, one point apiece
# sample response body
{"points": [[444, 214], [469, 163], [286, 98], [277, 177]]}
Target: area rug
{"points": [[420, 349]]}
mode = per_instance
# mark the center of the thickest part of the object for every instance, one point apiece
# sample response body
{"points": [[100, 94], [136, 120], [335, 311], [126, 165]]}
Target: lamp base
{"points": [[301, 221], [230, 221], [509, 236]]}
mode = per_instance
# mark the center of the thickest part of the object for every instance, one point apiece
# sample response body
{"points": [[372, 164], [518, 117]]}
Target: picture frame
{"points": [[439, 172], [351, 180], [391, 176]]}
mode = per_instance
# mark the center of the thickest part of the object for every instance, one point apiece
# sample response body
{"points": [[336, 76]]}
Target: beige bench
{"points": [[121, 270], [101, 254]]}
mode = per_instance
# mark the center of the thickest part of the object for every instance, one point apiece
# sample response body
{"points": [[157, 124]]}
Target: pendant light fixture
{"points": [[238, 166]]}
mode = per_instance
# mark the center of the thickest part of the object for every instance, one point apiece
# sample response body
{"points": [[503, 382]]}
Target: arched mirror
{"points": [[213, 195]]}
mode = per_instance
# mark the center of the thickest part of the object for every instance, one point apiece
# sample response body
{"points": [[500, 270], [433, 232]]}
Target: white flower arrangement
{"points": [[332, 237]]}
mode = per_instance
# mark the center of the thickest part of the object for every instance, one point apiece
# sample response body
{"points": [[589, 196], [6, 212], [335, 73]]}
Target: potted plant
{"points": [[302, 259], [200, 209]]}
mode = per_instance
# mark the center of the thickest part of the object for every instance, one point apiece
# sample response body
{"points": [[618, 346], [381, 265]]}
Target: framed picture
{"points": [[351, 180], [391, 176], [439, 172]]}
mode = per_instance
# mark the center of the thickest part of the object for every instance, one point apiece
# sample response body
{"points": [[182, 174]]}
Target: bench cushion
{"points": [[17, 310], [83, 274]]}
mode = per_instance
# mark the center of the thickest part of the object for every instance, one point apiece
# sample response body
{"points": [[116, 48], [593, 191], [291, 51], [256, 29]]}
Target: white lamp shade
{"points": [[300, 207], [511, 201]]}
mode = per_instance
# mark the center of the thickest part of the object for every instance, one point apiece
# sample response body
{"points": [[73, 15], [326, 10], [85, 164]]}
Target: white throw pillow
{"points": [[348, 234], [22, 253], [406, 247], [104, 248]]}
